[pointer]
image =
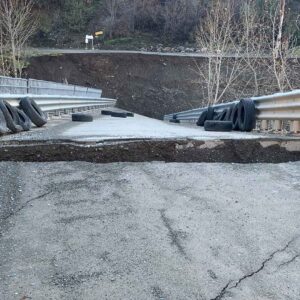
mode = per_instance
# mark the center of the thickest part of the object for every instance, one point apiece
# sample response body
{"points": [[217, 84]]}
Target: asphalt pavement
{"points": [[78, 230], [111, 128]]}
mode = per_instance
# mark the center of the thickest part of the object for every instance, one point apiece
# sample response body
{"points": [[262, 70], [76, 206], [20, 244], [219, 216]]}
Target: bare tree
{"points": [[17, 26], [280, 47], [180, 17], [253, 42], [112, 7], [267, 43], [3, 59], [216, 36]]}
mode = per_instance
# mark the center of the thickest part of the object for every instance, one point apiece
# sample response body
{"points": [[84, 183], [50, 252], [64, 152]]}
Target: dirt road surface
{"points": [[78, 230]]}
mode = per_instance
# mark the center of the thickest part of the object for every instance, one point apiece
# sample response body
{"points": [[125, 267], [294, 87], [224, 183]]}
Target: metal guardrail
{"points": [[51, 96], [271, 110], [9, 85]]}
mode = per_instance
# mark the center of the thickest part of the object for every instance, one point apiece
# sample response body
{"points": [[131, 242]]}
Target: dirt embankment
{"points": [[147, 84], [152, 85]]}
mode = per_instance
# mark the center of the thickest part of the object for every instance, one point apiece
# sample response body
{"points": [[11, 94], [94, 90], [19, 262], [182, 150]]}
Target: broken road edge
{"points": [[146, 150]]}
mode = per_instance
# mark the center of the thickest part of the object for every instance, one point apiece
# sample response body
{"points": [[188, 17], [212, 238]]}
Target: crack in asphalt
{"points": [[23, 206], [224, 290], [290, 261], [173, 234]]}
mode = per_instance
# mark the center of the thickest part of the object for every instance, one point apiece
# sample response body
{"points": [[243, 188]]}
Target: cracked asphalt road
{"points": [[78, 230]]}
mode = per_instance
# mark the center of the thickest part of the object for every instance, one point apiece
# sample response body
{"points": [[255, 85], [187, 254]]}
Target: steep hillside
{"points": [[151, 85]]}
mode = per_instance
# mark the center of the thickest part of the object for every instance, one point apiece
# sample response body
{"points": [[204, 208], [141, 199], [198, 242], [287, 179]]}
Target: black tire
{"points": [[106, 112], [222, 115], [216, 116], [235, 117], [202, 118], [228, 114], [246, 115], [218, 126], [11, 116], [174, 121], [210, 113], [130, 114], [78, 117], [24, 120], [118, 115], [3, 126], [33, 111]]}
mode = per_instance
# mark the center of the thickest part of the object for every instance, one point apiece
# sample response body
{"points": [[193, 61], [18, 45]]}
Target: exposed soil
{"points": [[229, 151], [151, 85]]}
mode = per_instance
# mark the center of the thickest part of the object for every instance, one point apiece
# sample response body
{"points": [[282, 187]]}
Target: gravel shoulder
{"points": [[77, 230]]}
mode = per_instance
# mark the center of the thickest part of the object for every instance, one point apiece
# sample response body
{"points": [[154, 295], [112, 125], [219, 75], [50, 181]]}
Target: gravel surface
{"points": [[78, 230]]}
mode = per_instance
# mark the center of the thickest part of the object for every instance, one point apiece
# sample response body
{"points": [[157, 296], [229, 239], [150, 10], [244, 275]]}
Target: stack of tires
{"points": [[240, 116], [17, 119]]}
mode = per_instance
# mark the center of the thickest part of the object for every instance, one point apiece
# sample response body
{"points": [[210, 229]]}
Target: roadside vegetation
{"points": [[169, 22], [17, 25], [248, 47]]}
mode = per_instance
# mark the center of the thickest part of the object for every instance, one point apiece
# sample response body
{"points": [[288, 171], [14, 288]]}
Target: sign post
{"points": [[98, 33], [87, 39]]}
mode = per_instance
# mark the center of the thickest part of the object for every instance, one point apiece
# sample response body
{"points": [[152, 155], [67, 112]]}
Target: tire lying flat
{"points": [[218, 125], [106, 112], [79, 117], [119, 115], [33, 111], [174, 121], [11, 117], [109, 113]]}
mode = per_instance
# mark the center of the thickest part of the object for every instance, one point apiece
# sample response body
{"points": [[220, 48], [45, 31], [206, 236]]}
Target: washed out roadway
{"points": [[141, 139], [78, 230]]}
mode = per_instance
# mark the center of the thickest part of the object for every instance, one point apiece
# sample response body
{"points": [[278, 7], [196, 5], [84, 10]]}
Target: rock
{"points": [[189, 50], [166, 49]]}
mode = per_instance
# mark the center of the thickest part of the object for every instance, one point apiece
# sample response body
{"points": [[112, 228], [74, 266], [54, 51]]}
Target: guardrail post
{"points": [[264, 125], [277, 125], [296, 126]]}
